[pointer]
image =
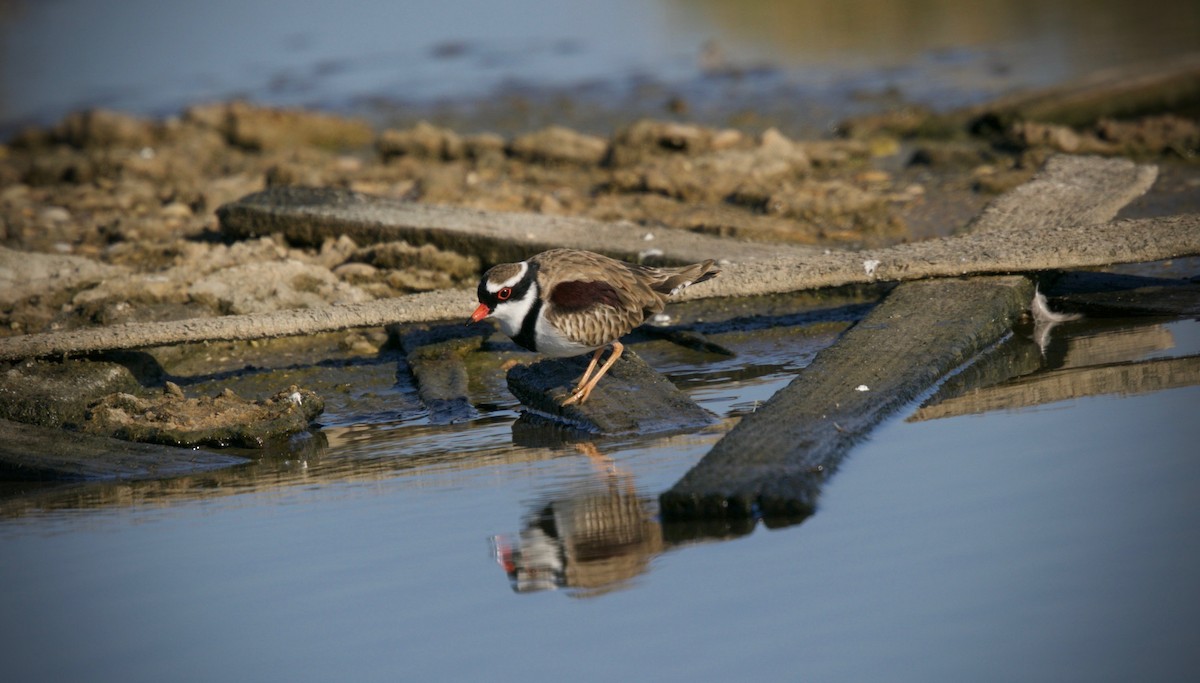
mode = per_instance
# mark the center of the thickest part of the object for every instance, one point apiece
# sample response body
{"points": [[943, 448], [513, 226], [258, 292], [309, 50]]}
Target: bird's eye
{"points": [[504, 293]]}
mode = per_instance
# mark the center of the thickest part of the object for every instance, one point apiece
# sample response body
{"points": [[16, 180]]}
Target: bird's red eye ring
{"points": [[504, 293]]}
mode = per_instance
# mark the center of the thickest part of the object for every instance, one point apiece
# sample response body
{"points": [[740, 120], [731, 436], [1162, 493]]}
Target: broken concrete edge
{"points": [[309, 216], [432, 306], [1067, 190], [774, 463]]}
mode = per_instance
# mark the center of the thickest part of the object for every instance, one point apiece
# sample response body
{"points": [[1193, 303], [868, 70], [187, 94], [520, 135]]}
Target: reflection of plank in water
{"points": [[1119, 346], [1062, 385]]}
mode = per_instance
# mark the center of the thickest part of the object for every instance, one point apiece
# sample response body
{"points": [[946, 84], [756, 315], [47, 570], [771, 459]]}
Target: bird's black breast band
{"points": [[527, 337]]}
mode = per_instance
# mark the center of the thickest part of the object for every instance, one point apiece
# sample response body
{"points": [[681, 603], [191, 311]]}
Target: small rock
{"points": [[484, 147], [1033, 134], [423, 140], [559, 145], [261, 129], [647, 140], [357, 273], [96, 128]]}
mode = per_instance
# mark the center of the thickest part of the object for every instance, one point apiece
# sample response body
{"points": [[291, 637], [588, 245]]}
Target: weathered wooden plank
{"points": [[436, 359], [774, 462]]}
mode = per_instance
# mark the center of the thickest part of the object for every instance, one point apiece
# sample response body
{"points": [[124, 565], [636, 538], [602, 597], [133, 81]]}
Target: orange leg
{"points": [[585, 389], [588, 373]]}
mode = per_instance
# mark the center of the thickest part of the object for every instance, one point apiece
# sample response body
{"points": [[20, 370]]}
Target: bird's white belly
{"points": [[553, 343]]}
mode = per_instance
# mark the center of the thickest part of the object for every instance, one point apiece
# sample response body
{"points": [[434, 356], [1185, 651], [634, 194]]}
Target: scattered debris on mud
{"points": [[223, 420]]}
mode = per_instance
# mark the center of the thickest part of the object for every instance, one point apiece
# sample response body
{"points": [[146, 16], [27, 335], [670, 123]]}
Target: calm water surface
{"points": [[1045, 543], [1055, 542]]}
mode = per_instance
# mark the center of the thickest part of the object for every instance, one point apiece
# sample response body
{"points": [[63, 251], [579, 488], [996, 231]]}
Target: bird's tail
{"points": [[668, 281]]}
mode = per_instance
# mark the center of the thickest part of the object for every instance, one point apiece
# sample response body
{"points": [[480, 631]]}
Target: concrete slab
{"points": [[436, 358]]}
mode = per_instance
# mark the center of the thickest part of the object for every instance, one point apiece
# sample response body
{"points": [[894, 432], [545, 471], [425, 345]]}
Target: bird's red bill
{"points": [[480, 313]]}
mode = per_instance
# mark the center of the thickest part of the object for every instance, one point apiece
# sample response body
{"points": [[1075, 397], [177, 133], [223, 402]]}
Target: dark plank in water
{"points": [[775, 461]]}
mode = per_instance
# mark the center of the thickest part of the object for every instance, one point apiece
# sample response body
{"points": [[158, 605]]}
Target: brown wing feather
{"points": [[595, 299], [591, 298], [574, 295]]}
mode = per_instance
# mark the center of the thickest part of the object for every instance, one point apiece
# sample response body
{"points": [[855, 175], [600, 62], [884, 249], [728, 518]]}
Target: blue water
{"points": [[1056, 542]]}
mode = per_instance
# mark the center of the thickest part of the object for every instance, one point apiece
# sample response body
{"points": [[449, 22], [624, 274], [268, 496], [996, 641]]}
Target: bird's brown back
{"points": [[594, 299]]}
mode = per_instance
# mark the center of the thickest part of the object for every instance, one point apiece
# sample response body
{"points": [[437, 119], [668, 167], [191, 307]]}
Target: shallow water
{"points": [[1054, 542]]}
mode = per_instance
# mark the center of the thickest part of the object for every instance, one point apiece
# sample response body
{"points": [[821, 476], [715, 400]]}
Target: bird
{"points": [[568, 302]]}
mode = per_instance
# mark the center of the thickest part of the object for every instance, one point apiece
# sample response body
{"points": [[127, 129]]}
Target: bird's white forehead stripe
{"points": [[510, 282]]}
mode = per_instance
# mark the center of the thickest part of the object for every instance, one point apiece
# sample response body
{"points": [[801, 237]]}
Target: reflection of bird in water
{"points": [[594, 539], [567, 302], [1045, 319]]}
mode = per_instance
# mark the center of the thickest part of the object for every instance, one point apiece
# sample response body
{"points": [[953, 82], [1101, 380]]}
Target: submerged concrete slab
{"points": [[28, 452], [436, 358], [631, 398]]}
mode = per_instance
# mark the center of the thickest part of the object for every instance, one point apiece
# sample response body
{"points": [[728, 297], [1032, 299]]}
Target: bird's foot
{"points": [[579, 396]]}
